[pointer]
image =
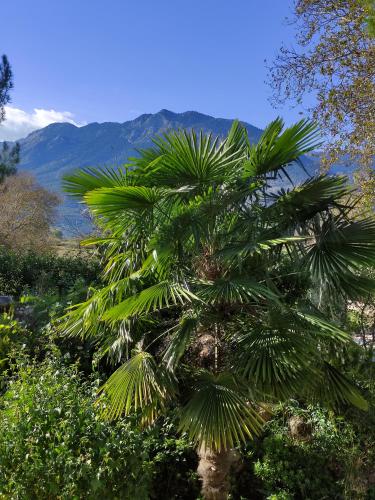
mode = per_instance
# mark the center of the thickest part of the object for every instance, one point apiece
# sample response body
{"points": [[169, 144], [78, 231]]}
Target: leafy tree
{"points": [[27, 211], [9, 159], [220, 285], [335, 64], [6, 84]]}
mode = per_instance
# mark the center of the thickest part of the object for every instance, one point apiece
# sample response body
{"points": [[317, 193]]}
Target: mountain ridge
{"points": [[59, 148]]}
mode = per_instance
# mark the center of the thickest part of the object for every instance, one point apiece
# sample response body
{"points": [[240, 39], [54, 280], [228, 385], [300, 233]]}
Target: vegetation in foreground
{"points": [[221, 294]]}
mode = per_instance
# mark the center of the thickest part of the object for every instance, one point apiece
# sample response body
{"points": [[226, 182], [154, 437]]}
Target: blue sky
{"points": [[113, 60]]}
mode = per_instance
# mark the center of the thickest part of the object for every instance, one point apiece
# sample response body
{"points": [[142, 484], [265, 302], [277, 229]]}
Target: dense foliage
{"points": [[54, 444], [217, 300], [39, 273], [200, 299]]}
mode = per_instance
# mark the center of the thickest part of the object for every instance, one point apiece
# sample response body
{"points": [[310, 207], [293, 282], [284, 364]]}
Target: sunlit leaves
{"points": [[159, 296], [87, 179], [197, 246], [277, 148], [139, 384]]}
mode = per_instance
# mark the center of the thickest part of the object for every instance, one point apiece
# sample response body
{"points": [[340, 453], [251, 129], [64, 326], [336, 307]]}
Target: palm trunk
{"points": [[213, 469]]}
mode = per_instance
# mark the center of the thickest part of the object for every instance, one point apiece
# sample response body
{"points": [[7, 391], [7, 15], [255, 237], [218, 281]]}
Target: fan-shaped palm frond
{"points": [[219, 415], [112, 201], [180, 340], [186, 160], [320, 326], [334, 389], [277, 148], [275, 362], [159, 296], [305, 201], [341, 249], [235, 291], [249, 247], [82, 181], [139, 384]]}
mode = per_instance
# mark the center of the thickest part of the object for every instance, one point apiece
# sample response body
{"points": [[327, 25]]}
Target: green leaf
{"points": [[139, 384], [340, 250], [183, 159], [242, 250], [87, 179], [159, 296], [275, 361], [112, 201], [336, 389], [218, 415], [277, 148], [180, 340], [234, 291], [305, 201]]}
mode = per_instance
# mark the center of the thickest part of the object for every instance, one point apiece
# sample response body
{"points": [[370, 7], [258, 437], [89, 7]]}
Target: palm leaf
{"points": [[159, 296], [114, 200], [183, 159], [335, 389], [305, 201], [234, 291], [139, 384], [242, 250], [340, 251], [218, 415], [87, 179], [180, 340], [277, 148], [275, 361]]}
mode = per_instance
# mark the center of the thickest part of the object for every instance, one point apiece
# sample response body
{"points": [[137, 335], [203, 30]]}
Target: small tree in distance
{"points": [[27, 212], [9, 157], [6, 84]]}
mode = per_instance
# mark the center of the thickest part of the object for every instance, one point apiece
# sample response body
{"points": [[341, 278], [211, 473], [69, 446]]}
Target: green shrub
{"points": [[43, 273], [174, 461], [331, 463], [13, 336], [53, 443]]}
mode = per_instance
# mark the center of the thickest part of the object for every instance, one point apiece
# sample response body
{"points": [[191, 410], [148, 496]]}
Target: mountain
{"points": [[52, 151]]}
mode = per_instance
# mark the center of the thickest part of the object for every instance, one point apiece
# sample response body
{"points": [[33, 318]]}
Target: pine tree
{"points": [[6, 84], [9, 157]]}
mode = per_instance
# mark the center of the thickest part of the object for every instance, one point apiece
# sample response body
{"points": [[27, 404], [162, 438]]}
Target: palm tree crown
{"points": [[216, 281]]}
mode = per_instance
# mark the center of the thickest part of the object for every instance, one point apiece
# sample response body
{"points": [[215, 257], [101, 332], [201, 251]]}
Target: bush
{"points": [[174, 462], [41, 273], [13, 336], [330, 462], [53, 443]]}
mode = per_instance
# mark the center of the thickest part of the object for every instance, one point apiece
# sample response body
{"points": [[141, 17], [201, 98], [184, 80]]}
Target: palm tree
{"points": [[220, 288]]}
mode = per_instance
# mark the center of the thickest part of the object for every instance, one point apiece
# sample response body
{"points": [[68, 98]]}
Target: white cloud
{"points": [[19, 123]]}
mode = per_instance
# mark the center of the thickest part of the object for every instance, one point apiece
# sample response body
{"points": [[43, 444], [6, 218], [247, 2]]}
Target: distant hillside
{"points": [[59, 148]]}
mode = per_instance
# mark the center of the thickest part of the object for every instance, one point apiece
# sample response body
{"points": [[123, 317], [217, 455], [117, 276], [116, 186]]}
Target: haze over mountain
{"points": [[52, 151]]}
